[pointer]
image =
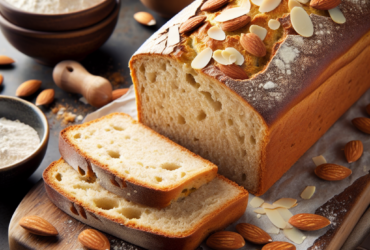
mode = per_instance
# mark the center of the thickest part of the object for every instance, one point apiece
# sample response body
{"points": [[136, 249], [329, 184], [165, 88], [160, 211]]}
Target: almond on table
{"points": [[37, 225], [5, 60], [94, 240], [279, 245], [253, 233], [145, 18], [353, 150], [362, 124], [225, 240], [28, 88], [332, 172], [45, 97], [309, 222]]}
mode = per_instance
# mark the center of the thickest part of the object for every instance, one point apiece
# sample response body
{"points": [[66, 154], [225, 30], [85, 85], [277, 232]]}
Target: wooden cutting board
{"points": [[353, 200]]}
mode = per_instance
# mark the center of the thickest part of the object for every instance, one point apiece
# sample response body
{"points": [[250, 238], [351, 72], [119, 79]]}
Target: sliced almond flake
{"points": [[259, 31], [269, 5], [260, 211], [295, 205], [229, 57], [308, 192], [173, 35], [273, 230], [301, 22], [337, 15], [285, 213], [319, 160], [293, 3], [232, 13], [285, 202], [246, 4], [216, 33], [294, 235], [217, 55], [257, 2], [275, 218], [202, 59], [268, 205], [303, 1], [258, 216], [274, 24], [237, 54], [256, 202]]}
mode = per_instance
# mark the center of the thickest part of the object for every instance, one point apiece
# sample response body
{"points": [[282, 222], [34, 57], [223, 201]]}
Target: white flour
{"points": [[17, 141], [53, 6]]}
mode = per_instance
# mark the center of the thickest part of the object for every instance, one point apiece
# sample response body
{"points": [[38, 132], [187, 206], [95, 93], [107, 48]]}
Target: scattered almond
{"points": [[45, 97], [37, 225], [145, 18], [353, 151], [253, 44], [362, 124], [192, 23], [233, 71], [4, 60], [212, 5], [28, 88], [253, 233], [309, 222], [279, 245], [118, 93], [332, 172], [236, 23], [1, 79], [324, 4], [225, 240], [94, 240]]}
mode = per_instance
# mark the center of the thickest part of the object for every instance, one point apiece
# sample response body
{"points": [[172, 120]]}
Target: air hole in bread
{"points": [[142, 68], [191, 80], [86, 137], [184, 191], [170, 166], [113, 181], [147, 211], [183, 174], [82, 212], [244, 177], [92, 132], [118, 128], [77, 136], [142, 90], [81, 186], [158, 179], [252, 139], [81, 171], [230, 122], [241, 139], [127, 172], [73, 210], [107, 129], [244, 152], [196, 139], [201, 116], [174, 84], [152, 76], [99, 146], [113, 154], [130, 213], [181, 120], [147, 98], [105, 203], [163, 66], [58, 176], [216, 105], [155, 111], [140, 163], [111, 142]]}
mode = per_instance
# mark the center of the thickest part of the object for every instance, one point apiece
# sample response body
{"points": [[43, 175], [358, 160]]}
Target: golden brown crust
{"points": [[145, 236]]}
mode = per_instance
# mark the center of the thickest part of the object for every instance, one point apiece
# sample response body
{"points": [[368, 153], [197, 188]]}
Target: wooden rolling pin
{"points": [[73, 77]]}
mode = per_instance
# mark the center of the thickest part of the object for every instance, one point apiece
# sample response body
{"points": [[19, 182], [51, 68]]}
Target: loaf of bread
{"points": [[253, 129], [133, 161], [182, 225]]}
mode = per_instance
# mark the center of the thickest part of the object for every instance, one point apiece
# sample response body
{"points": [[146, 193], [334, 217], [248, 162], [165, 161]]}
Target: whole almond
{"points": [[235, 23], [234, 71], [225, 240], [212, 5], [144, 18], [309, 222], [279, 245], [192, 23], [5, 60], [253, 44], [118, 93], [332, 172], [28, 88], [94, 240], [37, 225], [368, 109], [253, 233], [353, 151], [324, 4], [362, 124], [45, 97], [1, 79]]}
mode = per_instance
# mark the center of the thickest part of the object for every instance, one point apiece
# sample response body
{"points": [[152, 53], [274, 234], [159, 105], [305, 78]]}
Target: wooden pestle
{"points": [[73, 77]]}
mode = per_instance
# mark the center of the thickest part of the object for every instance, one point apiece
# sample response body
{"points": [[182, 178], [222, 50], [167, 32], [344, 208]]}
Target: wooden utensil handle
{"points": [[73, 77]]}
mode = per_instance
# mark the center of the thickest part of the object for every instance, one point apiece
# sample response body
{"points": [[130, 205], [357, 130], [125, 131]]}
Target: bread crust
{"points": [[131, 189], [146, 237]]}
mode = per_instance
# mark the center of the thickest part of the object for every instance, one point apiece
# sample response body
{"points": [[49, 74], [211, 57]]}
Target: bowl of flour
{"points": [[24, 135], [55, 15]]}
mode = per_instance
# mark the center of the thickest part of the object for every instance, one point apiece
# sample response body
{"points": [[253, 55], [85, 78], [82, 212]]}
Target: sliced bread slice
{"points": [[133, 161], [182, 225]]}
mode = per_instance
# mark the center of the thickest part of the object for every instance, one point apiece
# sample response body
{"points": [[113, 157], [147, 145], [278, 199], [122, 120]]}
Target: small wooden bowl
{"points": [[166, 8], [52, 47], [56, 22], [14, 108]]}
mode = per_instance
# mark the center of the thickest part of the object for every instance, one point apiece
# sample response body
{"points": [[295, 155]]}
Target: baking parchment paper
{"points": [[301, 173]]}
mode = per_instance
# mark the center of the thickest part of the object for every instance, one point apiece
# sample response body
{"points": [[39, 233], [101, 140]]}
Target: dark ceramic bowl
{"points": [[14, 108], [52, 47], [56, 22]]}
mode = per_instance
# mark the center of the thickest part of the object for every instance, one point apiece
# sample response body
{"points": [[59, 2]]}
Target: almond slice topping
{"points": [[301, 22], [217, 55], [235, 53], [269, 5], [308, 192], [274, 24], [228, 56], [232, 13], [173, 35], [285, 202], [259, 31], [256, 202], [216, 33], [192, 23], [202, 59], [273, 230], [260, 211], [303, 1], [337, 15], [294, 235], [257, 2], [276, 218], [319, 160], [293, 3], [285, 213]]}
